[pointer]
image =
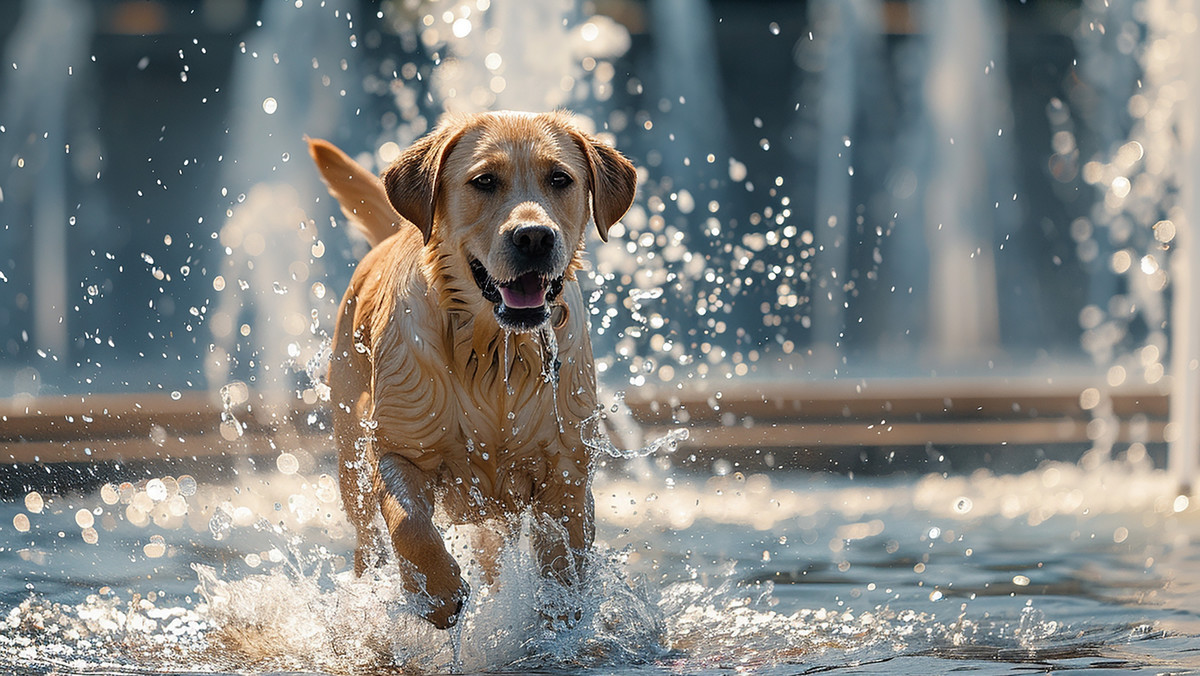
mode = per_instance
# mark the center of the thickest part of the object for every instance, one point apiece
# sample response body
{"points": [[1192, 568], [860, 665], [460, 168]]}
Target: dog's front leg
{"points": [[406, 500], [564, 537]]}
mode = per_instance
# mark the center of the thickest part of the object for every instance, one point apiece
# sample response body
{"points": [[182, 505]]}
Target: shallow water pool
{"points": [[1068, 567]]}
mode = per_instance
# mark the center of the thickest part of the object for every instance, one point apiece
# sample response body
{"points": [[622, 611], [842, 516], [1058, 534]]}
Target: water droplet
{"points": [[221, 522], [176, 395], [21, 523], [1164, 231], [34, 502], [287, 463], [270, 105], [234, 393], [156, 490], [231, 429], [84, 519], [155, 548], [187, 485], [774, 28]]}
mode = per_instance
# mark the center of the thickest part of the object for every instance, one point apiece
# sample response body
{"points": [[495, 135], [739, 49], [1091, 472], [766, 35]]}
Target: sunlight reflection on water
{"points": [[779, 571]]}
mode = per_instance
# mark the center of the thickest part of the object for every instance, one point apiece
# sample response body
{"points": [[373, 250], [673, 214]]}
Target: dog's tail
{"points": [[360, 193]]}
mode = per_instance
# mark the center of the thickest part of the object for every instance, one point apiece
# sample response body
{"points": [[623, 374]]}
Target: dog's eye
{"points": [[560, 179], [485, 182]]}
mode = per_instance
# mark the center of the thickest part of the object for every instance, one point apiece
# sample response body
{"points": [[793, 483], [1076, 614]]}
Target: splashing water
{"points": [[292, 619], [597, 440], [316, 368]]}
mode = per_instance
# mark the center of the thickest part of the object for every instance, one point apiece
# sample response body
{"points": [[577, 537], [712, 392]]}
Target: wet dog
{"points": [[462, 370]]}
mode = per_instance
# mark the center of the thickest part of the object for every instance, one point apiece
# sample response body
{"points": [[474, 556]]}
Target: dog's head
{"points": [[508, 195]]}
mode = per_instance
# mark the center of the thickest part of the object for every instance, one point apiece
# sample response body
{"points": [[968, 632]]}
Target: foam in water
{"points": [[290, 618]]}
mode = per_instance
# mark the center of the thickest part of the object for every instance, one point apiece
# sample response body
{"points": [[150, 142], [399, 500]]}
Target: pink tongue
{"points": [[526, 291]]}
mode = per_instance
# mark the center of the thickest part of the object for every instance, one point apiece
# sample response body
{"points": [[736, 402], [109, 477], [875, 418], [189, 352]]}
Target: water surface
{"points": [[1067, 567]]}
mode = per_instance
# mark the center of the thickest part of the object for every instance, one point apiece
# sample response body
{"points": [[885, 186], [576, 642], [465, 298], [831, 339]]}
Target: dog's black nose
{"points": [[533, 240]]}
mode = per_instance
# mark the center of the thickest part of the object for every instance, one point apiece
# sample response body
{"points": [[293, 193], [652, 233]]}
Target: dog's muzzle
{"points": [[520, 304]]}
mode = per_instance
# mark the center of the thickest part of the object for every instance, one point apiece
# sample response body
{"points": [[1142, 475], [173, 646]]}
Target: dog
{"points": [[445, 388]]}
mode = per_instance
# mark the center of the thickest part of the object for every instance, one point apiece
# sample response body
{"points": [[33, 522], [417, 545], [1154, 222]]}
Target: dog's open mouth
{"points": [[528, 290], [521, 304]]}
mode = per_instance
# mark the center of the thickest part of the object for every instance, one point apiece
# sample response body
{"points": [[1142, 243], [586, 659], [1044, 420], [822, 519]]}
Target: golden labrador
{"points": [[444, 380]]}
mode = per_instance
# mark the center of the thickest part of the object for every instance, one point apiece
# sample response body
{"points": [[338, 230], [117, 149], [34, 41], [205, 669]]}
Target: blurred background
{"points": [[871, 213]]}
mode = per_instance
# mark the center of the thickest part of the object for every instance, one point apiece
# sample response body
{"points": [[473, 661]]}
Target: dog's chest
{"points": [[509, 399], [515, 402]]}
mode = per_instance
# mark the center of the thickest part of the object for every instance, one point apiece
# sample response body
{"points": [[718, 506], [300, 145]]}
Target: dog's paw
{"points": [[445, 609]]}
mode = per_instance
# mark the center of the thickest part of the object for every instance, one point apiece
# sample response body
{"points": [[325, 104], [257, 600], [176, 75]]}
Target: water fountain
{"points": [[1145, 179], [1184, 460], [850, 34], [965, 104], [50, 42], [269, 286]]}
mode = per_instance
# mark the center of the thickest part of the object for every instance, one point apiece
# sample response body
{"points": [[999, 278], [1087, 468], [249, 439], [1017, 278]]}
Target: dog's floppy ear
{"points": [[612, 181], [412, 180]]}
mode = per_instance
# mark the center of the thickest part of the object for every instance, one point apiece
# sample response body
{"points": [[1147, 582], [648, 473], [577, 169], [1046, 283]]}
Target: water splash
{"points": [[104, 633], [316, 368], [597, 440], [293, 619]]}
